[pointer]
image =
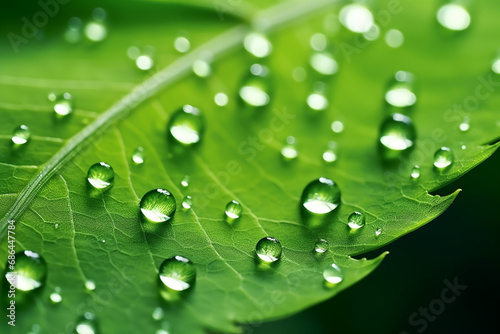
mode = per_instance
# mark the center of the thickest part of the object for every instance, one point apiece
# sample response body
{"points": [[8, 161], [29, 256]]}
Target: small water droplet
{"points": [[56, 225], [337, 126], [221, 99], [101, 176], [268, 249], [73, 33], [356, 18], [464, 147], [373, 33], [158, 313], [258, 45], [289, 150], [63, 105], [465, 125], [378, 231], [144, 62], [333, 274], [21, 135], [87, 324], [397, 134], [186, 125], [318, 42], [330, 154], [202, 68], [299, 74], [90, 285], [453, 17], [233, 210], [185, 181], [495, 66], [400, 93], [356, 220], [133, 52], [415, 172], [95, 30], [394, 38], [30, 271], [317, 101], [187, 202], [157, 206], [138, 156], [321, 246], [177, 273], [55, 297], [443, 158], [321, 196], [254, 91], [324, 63], [182, 44]]}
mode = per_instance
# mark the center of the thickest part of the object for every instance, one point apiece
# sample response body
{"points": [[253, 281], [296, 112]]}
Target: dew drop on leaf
{"points": [[101, 176], [202, 68], [318, 42], [254, 90], [87, 324], [63, 104], [144, 62], [289, 150], [356, 220], [317, 101], [337, 126], [187, 202], [443, 158], [186, 125], [96, 30], [55, 297], [73, 33], [324, 63], [90, 285], [321, 246], [394, 38], [333, 274], [182, 44], [21, 135], [29, 271], [321, 196], [400, 94], [233, 210], [330, 154], [453, 16], [268, 249], [157, 206], [258, 45], [177, 273], [415, 172], [465, 125], [221, 99], [378, 231], [138, 156], [158, 313], [397, 134], [357, 18], [185, 181]]}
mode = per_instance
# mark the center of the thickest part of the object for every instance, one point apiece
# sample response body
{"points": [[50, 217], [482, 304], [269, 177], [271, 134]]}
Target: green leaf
{"points": [[119, 108]]}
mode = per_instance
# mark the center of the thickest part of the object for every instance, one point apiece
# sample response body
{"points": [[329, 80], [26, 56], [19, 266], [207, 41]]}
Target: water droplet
{"points": [[185, 181], [221, 99], [397, 134], [186, 125], [268, 249], [453, 17], [415, 172], [21, 135], [356, 220], [90, 285], [373, 33], [465, 125], [101, 176], [56, 225], [321, 196], [95, 30], [87, 324], [29, 273], [394, 38], [318, 42], [400, 93], [133, 52], [257, 45], [63, 105], [182, 44], [144, 62], [337, 126], [73, 33], [378, 231], [254, 90], [289, 151], [317, 101], [157, 206], [495, 66], [299, 74], [177, 273], [464, 147], [233, 210], [138, 156], [443, 158], [324, 63], [55, 297], [333, 274], [158, 313], [321, 246], [330, 154], [187, 202], [356, 18], [202, 68]]}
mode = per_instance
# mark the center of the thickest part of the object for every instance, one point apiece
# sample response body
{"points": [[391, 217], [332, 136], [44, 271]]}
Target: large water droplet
{"points": [[254, 91], [138, 156], [87, 324], [101, 176], [397, 134], [394, 38], [356, 18], [400, 93], [443, 158], [321, 246], [257, 45], [356, 220], [453, 17], [177, 273], [186, 125], [95, 30], [157, 206], [27, 272], [333, 274], [321, 196], [324, 63], [21, 135], [289, 150], [268, 249], [233, 210], [187, 202], [63, 104]]}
